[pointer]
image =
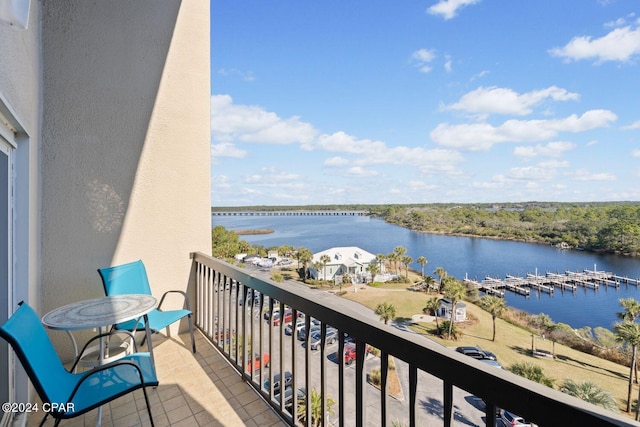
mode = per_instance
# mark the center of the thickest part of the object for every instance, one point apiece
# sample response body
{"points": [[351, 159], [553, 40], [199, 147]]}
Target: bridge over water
{"points": [[290, 213]]}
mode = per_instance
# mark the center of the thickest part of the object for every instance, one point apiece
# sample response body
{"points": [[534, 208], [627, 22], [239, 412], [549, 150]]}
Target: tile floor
{"points": [[199, 389]]}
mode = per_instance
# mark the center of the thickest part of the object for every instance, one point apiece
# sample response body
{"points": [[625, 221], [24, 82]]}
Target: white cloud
{"points": [[359, 171], [226, 149], [635, 153], [422, 58], [336, 161], [621, 44], [244, 75], [449, 8], [231, 122], [585, 175], [552, 149], [530, 173], [447, 65], [341, 142], [482, 136], [632, 126], [497, 100]]}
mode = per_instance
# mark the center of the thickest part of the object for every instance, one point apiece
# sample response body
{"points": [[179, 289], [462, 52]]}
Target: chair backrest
{"points": [[28, 338], [128, 278]]}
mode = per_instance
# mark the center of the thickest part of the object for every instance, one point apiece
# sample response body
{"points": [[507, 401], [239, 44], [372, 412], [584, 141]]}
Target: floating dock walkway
{"points": [[569, 280]]}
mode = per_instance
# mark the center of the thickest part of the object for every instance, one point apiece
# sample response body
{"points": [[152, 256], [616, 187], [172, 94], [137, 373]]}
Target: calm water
{"points": [[460, 257]]}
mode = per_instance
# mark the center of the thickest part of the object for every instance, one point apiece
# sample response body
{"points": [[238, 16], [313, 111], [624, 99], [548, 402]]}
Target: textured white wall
{"points": [[125, 156]]}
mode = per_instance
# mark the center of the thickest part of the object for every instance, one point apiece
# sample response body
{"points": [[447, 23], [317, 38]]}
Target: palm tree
{"points": [[629, 333], [428, 283], [373, 269], [398, 253], [442, 274], [590, 392], [386, 312], [325, 259], [631, 312], [455, 291], [531, 372], [631, 309], [495, 306], [433, 304], [406, 260], [317, 266], [316, 408], [422, 261], [304, 256]]}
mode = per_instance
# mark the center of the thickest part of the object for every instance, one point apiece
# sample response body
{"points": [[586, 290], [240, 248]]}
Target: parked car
{"points": [[476, 353], [350, 353], [257, 364], [509, 419], [316, 338], [288, 398], [302, 333], [290, 328], [288, 316], [288, 378], [492, 362]]}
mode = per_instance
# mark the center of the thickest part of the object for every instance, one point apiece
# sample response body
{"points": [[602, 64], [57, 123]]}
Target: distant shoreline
{"points": [[253, 232]]}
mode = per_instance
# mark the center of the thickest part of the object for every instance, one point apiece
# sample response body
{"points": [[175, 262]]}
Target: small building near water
{"points": [[445, 310], [343, 260]]}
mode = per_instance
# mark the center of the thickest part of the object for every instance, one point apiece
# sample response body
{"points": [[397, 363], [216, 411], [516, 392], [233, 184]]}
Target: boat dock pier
{"points": [[570, 280]]}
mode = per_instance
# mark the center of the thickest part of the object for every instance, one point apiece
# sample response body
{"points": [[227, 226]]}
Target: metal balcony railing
{"points": [[240, 310]]}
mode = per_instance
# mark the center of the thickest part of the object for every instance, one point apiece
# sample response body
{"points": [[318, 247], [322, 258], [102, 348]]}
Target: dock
{"points": [[549, 282]]}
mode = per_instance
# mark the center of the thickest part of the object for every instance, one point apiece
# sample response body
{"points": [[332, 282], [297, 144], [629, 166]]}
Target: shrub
{"points": [[375, 377]]}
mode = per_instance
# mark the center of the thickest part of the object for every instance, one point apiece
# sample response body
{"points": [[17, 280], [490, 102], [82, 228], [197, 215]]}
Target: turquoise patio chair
{"points": [[132, 278], [79, 392]]}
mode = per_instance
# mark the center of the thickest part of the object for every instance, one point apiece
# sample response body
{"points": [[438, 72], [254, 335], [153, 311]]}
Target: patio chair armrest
{"points": [[184, 294], [105, 334], [101, 368]]}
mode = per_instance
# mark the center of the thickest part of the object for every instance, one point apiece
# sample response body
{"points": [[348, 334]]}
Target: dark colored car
{"points": [[288, 378], [476, 353]]}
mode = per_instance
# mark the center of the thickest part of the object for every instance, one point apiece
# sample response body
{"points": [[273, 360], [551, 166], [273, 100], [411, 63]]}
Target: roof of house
{"points": [[347, 255], [448, 302]]}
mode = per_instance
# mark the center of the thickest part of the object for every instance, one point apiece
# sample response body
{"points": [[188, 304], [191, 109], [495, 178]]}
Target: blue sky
{"points": [[439, 101]]}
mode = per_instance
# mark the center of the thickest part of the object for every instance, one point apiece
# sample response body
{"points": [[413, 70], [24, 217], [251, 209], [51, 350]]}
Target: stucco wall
{"points": [[125, 156]]}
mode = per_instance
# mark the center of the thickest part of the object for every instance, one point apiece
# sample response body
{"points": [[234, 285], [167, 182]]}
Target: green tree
{"points": [[432, 306], [324, 260], [531, 372], [494, 305], [442, 274], [396, 256], [304, 257], [316, 408], [406, 260], [428, 283], [373, 269], [386, 312], [455, 291], [422, 261], [629, 333], [631, 309], [590, 392]]}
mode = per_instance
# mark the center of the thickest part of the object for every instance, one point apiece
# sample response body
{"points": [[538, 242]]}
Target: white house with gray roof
{"points": [[350, 260]]}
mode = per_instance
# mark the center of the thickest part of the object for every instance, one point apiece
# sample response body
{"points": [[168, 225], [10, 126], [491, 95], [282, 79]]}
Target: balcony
{"points": [[222, 385]]}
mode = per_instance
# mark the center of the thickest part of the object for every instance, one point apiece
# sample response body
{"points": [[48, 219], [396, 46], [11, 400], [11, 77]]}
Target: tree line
{"points": [[601, 227]]}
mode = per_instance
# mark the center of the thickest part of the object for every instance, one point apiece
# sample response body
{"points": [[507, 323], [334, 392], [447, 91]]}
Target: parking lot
{"points": [[468, 410]]}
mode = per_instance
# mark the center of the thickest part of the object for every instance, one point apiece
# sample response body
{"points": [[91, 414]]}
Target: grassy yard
{"points": [[512, 344]]}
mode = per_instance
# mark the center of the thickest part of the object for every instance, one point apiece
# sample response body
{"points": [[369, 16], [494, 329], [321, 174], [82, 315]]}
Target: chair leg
{"points": [[193, 341], [43, 419], [146, 399]]}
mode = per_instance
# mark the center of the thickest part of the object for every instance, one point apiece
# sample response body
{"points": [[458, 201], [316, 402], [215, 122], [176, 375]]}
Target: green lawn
{"points": [[512, 344]]}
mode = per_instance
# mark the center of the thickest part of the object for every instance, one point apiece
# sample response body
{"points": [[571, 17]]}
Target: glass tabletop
{"points": [[99, 312]]}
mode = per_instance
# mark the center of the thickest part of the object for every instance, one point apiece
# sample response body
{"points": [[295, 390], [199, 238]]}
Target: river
{"points": [[461, 257]]}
